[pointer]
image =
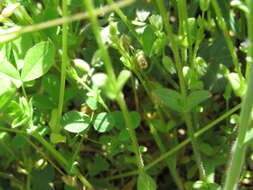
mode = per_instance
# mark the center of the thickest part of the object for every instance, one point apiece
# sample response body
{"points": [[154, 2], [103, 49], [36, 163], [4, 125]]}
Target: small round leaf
{"points": [[75, 122], [103, 122]]}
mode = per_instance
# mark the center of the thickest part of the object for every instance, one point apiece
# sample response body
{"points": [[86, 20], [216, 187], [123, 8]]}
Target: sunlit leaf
{"points": [[38, 61], [75, 122], [103, 122]]}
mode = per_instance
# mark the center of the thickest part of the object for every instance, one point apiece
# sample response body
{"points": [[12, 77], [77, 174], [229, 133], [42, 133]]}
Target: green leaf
{"points": [[8, 70], [197, 97], [145, 182], [38, 61], [170, 98], [75, 122], [103, 122]]}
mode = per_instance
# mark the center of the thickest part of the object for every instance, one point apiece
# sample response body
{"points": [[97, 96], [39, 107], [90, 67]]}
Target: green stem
{"points": [[64, 64], [67, 19], [181, 145], [239, 148], [112, 79], [187, 115]]}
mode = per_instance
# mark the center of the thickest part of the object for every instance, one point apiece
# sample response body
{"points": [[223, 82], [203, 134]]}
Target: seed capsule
{"points": [[125, 42], [141, 60], [152, 116]]}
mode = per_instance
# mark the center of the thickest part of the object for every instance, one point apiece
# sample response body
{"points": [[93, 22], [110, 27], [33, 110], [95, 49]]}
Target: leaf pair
{"points": [[174, 100], [77, 122], [37, 62]]}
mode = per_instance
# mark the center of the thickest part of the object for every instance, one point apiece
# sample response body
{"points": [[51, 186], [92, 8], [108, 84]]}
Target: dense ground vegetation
{"points": [[124, 95]]}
